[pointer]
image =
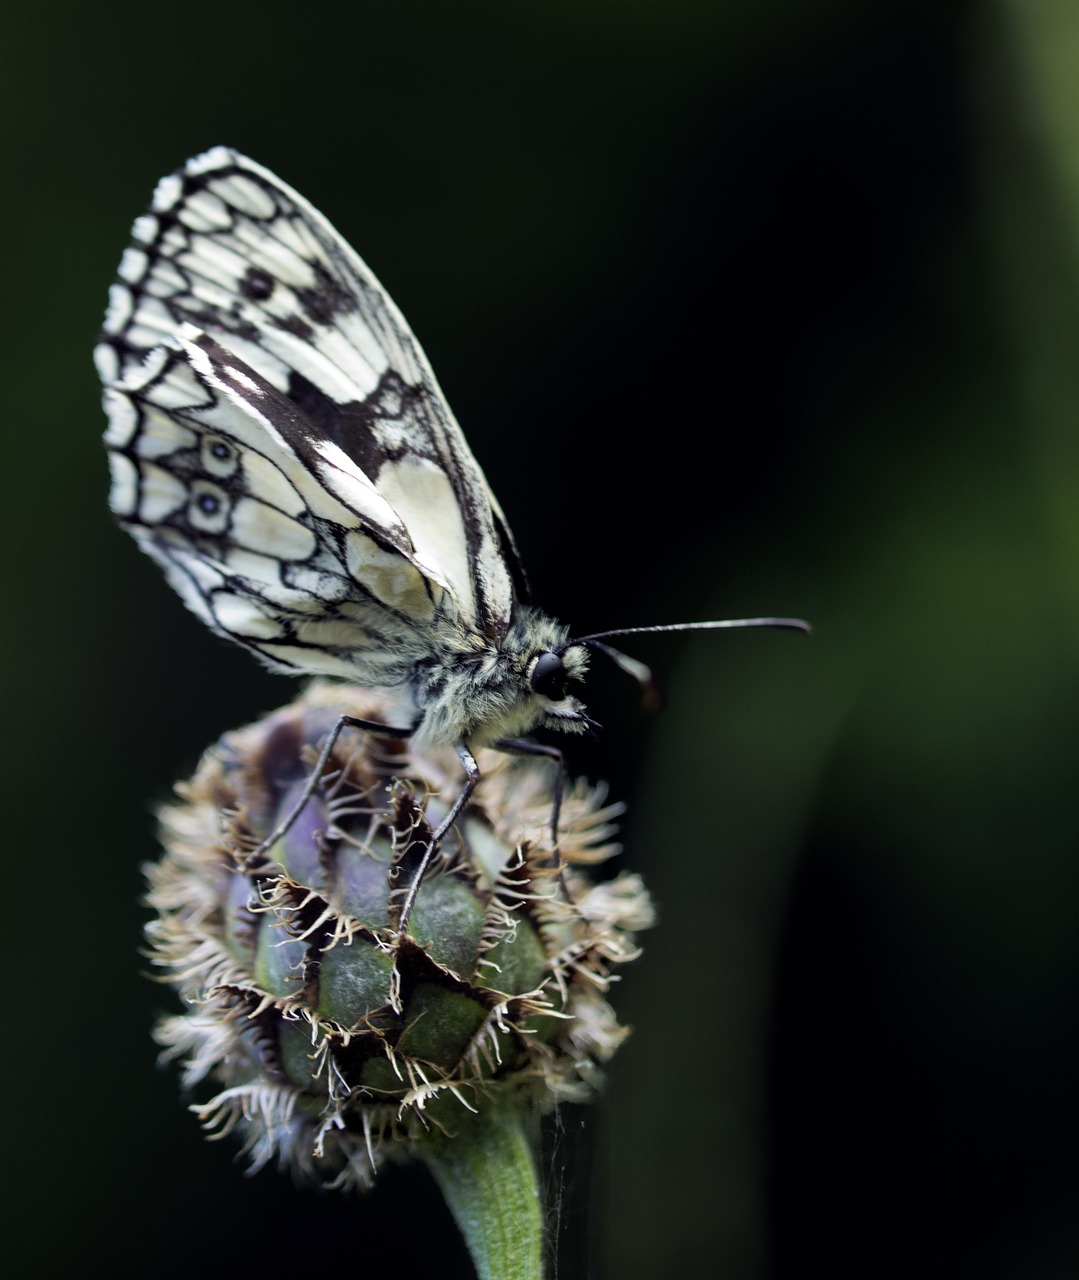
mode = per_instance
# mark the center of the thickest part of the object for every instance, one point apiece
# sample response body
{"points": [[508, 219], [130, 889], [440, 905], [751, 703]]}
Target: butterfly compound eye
{"points": [[549, 677]]}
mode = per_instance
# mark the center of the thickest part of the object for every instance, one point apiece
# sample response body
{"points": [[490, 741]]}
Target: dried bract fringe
{"points": [[331, 1041]]}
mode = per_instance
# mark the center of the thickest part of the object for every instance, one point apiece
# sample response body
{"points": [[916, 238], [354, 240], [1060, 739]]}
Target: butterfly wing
{"points": [[279, 443]]}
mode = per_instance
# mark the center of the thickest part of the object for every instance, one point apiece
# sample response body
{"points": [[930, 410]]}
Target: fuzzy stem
{"points": [[487, 1172]]}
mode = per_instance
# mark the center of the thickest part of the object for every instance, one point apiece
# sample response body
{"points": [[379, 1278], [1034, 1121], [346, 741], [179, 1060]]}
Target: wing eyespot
{"points": [[209, 508], [217, 457]]}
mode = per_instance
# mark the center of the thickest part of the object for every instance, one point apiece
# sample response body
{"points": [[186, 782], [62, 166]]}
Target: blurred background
{"points": [[745, 308]]}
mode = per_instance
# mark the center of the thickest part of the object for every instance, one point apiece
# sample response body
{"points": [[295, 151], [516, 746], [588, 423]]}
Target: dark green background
{"points": [[745, 307]]}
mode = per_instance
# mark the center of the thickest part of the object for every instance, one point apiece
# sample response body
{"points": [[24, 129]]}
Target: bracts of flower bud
{"points": [[324, 1036]]}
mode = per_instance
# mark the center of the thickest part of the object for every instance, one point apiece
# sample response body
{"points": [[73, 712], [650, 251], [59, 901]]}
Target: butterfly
{"points": [[279, 444]]}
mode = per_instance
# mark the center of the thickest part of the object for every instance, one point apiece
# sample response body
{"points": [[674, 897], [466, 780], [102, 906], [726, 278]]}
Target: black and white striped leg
{"points": [[345, 722], [472, 776], [522, 747]]}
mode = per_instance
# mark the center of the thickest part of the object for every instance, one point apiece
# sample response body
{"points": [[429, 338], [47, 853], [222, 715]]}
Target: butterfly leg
{"points": [[472, 776], [344, 722], [522, 747]]}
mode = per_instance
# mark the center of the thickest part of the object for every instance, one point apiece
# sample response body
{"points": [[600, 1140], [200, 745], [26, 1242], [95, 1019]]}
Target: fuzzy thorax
{"points": [[485, 695]]}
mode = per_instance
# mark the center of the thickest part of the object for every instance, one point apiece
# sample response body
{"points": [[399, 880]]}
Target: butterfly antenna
{"points": [[652, 692], [786, 624]]}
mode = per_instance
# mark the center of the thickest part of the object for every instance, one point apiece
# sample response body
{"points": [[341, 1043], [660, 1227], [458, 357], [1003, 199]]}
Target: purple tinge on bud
{"points": [[327, 1038]]}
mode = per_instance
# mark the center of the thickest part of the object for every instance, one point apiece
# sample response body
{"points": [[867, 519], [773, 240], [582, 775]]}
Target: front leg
{"points": [[522, 747]]}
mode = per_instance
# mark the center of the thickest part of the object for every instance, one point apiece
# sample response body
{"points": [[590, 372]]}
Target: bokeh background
{"points": [[745, 307]]}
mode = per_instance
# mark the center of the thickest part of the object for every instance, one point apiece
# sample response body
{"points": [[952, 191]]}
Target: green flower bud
{"points": [[332, 1040]]}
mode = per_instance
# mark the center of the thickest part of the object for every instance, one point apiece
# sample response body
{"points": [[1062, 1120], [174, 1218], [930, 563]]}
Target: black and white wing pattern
{"points": [[279, 444]]}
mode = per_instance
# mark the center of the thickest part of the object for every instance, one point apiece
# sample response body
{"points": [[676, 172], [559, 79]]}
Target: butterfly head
{"points": [[550, 674], [503, 690], [528, 684]]}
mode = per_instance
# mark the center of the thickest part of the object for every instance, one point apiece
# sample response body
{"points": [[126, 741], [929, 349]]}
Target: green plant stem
{"points": [[487, 1172]]}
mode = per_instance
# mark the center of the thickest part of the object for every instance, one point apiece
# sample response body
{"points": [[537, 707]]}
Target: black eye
{"points": [[549, 677]]}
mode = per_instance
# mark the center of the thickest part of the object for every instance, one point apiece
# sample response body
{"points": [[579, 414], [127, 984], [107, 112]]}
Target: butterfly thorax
{"points": [[483, 696]]}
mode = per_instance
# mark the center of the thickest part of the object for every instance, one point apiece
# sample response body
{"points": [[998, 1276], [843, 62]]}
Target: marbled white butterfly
{"points": [[280, 446]]}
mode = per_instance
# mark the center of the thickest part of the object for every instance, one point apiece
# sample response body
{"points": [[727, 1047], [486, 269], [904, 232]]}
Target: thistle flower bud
{"points": [[335, 1041]]}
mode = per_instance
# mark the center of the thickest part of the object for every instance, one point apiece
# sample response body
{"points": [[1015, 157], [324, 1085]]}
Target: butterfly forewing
{"points": [[278, 441]]}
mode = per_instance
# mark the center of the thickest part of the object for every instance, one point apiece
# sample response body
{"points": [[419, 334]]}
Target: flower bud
{"points": [[333, 1038]]}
